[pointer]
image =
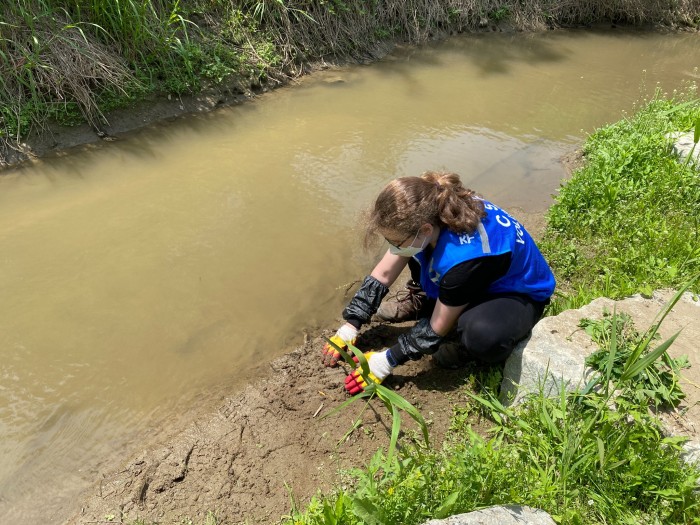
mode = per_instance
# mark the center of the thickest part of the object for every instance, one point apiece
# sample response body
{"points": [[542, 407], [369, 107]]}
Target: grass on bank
{"points": [[626, 222], [74, 60]]}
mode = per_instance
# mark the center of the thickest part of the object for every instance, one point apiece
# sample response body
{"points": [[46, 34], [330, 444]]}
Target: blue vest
{"points": [[496, 234]]}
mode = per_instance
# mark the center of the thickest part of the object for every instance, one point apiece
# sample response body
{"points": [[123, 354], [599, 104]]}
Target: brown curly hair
{"points": [[407, 203]]}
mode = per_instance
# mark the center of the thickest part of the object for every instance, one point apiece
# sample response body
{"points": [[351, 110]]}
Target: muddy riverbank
{"points": [[57, 140]]}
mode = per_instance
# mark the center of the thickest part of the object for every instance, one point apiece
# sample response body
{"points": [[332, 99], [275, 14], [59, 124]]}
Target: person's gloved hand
{"points": [[345, 334], [379, 370]]}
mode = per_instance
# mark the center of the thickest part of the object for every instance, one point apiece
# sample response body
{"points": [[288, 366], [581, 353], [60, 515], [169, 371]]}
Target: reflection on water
{"points": [[136, 275]]}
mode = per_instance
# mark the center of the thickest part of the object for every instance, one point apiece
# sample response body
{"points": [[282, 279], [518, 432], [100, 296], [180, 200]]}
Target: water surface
{"points": [[139, 276]]}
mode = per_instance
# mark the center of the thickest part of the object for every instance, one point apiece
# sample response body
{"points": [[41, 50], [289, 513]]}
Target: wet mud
{"points": [[279, 440]]}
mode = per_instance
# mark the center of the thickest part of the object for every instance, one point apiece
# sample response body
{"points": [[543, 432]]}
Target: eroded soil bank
{"points": [[273, 441], [57, 140]]}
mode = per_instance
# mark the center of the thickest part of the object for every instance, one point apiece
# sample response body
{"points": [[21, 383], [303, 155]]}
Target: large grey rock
{"points": [[555, 355], [509, 515], [683, 146]]}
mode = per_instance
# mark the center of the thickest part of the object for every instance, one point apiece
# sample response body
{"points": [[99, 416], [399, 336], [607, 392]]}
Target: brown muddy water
{"points": [[140, 276]]}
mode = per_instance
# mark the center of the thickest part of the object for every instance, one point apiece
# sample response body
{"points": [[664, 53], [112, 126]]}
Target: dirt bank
{"points": [[58, 140], [272, 441]]}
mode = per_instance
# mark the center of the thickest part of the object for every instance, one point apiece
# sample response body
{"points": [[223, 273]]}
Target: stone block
{"points": [[684, 147], [554, 356], [502, 515]]}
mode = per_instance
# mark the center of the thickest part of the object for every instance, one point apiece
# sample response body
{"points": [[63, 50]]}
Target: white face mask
{"points": [[410, 250]]}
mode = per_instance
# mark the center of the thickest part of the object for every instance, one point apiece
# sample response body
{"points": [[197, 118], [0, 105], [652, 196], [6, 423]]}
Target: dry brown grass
{"points": [[48, 57], [356, 28], [48, 63]]}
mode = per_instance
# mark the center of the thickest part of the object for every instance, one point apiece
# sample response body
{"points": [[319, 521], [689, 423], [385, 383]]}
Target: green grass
{"points": [[628, 221], [570, 455], [393, 402], [546, 456], [658, 384]]}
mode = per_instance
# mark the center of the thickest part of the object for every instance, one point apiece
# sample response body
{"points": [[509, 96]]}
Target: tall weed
{"points": [[618, 340], [393, 402]]}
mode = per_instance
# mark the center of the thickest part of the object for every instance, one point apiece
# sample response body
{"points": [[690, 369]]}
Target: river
{"points": [[144, 278]]}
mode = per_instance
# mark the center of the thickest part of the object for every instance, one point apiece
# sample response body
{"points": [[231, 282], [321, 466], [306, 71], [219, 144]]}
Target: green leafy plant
{"points": [[657, 384], [641, 357], [393, 402]]}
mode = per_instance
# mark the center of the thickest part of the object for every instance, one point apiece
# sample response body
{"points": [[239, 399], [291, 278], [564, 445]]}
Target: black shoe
{"points": [[451, 355]]}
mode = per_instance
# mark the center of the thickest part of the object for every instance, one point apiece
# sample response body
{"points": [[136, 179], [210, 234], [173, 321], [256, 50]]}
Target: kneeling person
{"points": [[473, 266]]}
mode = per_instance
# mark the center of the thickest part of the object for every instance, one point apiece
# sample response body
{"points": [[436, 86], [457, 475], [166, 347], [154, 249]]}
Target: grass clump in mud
{"points": [[628, 221], [570, 455], [393, 402]]}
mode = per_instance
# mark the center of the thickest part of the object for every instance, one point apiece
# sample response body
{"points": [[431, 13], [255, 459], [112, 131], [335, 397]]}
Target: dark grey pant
{"points": [[490, 329]]}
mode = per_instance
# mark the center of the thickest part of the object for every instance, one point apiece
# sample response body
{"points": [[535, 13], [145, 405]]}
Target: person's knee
{"points": [[484, 342]]}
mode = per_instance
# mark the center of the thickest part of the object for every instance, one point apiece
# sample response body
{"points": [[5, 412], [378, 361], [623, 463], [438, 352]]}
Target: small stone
{"points": [[684, 147]]}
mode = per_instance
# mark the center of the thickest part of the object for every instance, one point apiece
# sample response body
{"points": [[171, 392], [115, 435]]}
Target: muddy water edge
{"points": [[144, 278]]}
